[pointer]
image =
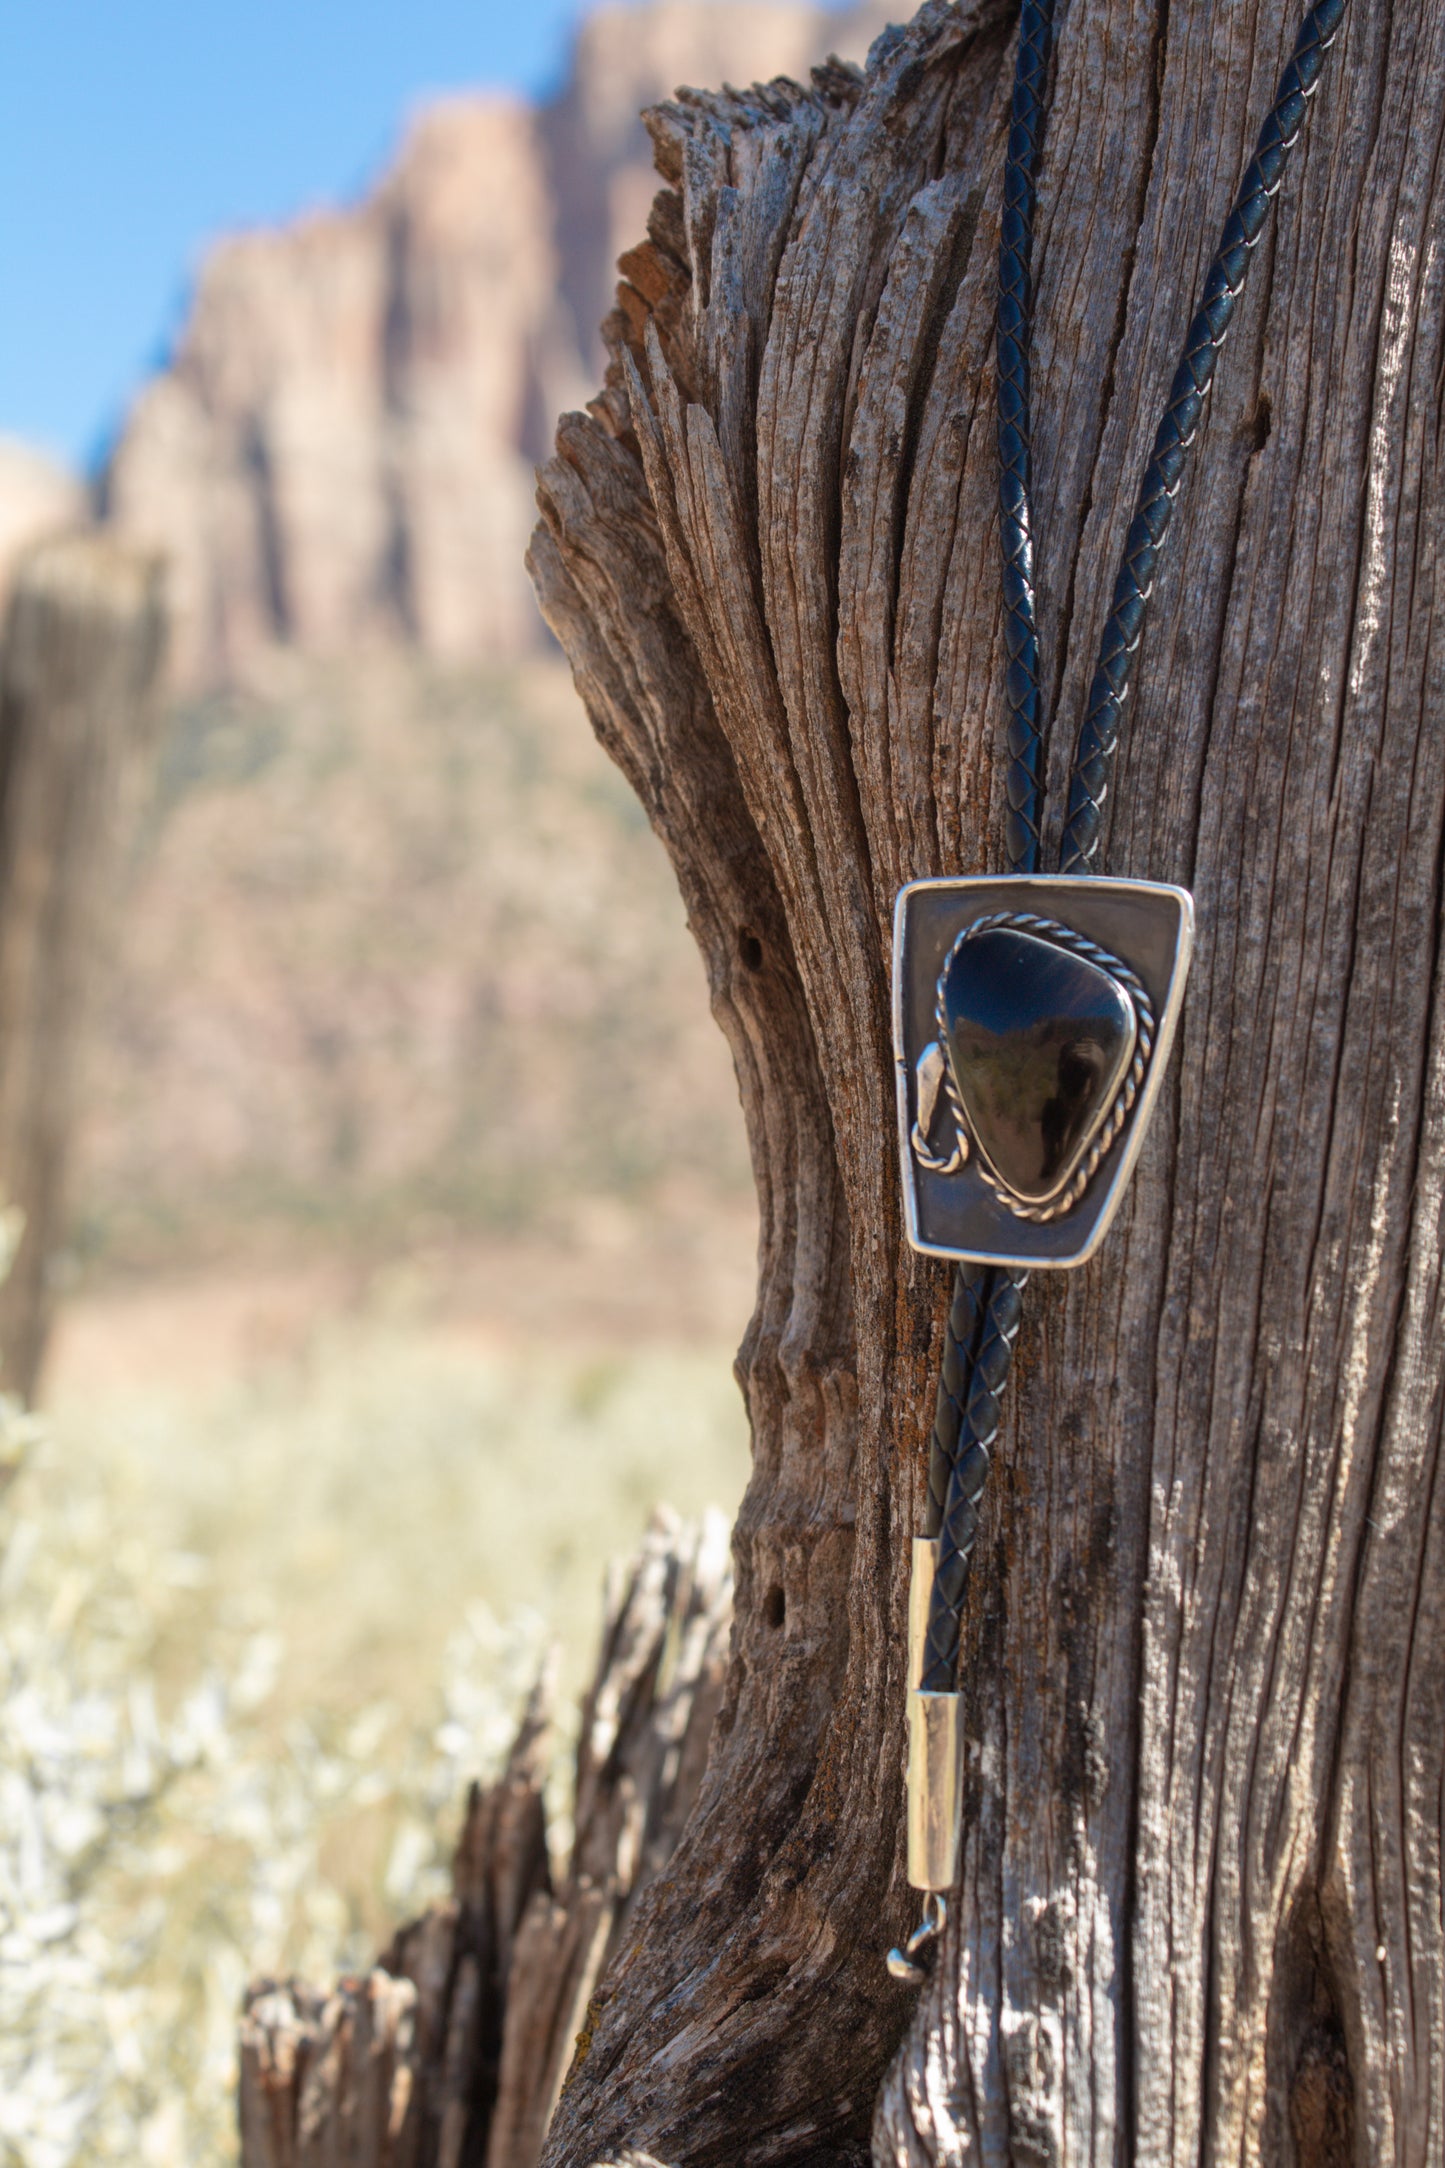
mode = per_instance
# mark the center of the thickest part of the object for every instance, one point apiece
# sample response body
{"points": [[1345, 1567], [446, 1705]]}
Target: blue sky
{"points": [[133, 130]]}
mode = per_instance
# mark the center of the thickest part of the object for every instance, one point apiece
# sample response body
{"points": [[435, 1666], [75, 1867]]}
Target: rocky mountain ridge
{"points": [[340, 452], [38, 497]]}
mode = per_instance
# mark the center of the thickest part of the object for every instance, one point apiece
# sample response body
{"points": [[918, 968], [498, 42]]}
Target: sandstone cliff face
{"points": [[341, 451], [37, 498]]}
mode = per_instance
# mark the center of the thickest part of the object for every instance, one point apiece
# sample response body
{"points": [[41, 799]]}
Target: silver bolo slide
{"points": [[1032, 1020], [1033, 1016]]}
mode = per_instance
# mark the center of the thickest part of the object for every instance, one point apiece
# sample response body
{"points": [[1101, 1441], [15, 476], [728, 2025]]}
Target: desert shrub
{"points": [[156, 1846]]}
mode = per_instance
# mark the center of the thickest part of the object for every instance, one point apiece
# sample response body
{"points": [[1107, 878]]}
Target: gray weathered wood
{"points": [[82, 645], [1200, 1917]]}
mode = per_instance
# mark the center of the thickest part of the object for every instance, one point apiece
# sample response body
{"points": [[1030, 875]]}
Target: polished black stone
{"points": [[1039, 1041]]}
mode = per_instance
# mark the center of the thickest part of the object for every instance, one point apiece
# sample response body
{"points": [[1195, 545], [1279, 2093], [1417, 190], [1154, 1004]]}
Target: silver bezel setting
{"points": [[1141, 932]]}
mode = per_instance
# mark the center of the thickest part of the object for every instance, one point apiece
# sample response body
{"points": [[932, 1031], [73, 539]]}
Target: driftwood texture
{"points": [[1200, 1913], [451, 2052], [82, 646]]}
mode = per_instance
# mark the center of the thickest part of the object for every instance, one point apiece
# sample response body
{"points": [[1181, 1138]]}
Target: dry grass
{"points": [[259, 1633]]}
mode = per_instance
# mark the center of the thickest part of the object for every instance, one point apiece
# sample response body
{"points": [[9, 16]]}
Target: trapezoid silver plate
{"points": [[1032, 1020]]}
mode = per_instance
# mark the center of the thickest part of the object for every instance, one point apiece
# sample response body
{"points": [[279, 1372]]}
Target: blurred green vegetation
{"points": [[258, 1637], [412, 1235]]}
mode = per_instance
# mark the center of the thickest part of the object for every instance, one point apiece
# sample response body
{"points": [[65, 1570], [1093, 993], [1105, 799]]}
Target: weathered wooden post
{"points": [[82, 645], [1200, 1915]]}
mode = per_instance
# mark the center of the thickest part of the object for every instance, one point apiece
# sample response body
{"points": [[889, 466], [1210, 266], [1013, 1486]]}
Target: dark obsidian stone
{"points": [[1039, 1042]]}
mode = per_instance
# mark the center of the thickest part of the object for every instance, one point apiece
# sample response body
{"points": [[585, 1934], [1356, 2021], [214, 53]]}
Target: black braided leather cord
{"points": [[1099, 736], [1015, 485], [958, 1531], [960, 1350], [986, 1310], [976, 1289]]}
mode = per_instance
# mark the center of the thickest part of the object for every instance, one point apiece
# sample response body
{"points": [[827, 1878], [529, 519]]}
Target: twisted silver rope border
{"points": [[1062, 937]]}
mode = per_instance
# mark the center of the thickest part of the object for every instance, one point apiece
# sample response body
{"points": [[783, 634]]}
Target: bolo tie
{"points": [[1033, 1012]]}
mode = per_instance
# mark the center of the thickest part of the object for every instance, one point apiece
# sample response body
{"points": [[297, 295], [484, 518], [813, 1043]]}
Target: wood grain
{"points": [[1200, 1917]]}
